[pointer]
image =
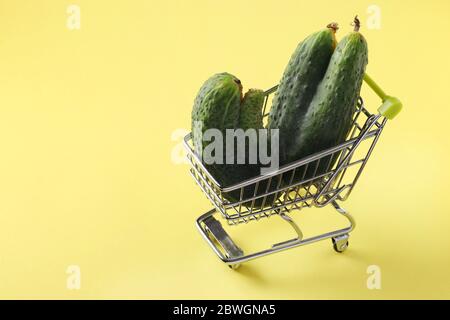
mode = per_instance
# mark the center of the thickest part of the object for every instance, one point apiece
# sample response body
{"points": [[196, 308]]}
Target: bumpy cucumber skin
{"points": [[251, 116], [329, 117], [297, 87], [217, 105]]}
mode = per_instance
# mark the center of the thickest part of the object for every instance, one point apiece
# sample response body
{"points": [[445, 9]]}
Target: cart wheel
{"points": [[234, 266], [340, 244], [340, 249]]}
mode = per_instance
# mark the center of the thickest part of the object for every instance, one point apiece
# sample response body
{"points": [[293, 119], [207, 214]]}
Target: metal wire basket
{"points": [[278, 193]]}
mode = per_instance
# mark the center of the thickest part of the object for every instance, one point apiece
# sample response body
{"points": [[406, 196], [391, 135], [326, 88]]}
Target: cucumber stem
{"points": [[356, 23], [333, 26], [375, 87]]}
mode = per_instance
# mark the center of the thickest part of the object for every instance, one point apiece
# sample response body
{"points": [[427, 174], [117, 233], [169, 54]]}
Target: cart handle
{"points": [[391, 105]]}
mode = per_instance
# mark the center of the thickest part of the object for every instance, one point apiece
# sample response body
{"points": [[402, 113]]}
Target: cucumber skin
{"points": [[305, 70], [330, 115], [251, 116], [217, 105]]}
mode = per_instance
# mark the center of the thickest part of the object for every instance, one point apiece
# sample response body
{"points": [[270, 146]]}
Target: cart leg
{"points": [[216, 232], [299, 232], [345, 214], [293, 225], [340, 243]]}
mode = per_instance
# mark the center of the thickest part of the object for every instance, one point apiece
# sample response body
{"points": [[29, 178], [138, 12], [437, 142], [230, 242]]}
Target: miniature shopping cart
{"points": [[321, 188]]}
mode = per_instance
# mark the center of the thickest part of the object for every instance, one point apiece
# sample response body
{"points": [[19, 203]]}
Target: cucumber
{"points": [[330, 115], [219, 105], [216, 106], [250, 117], [251, 110], [304, 72]]}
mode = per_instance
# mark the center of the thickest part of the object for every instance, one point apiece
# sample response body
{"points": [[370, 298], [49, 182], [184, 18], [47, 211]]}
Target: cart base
{"points": [[230, 253]]}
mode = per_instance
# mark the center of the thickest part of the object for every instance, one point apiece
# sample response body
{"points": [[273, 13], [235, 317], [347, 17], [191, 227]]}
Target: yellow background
{"points": [[86, 176]]}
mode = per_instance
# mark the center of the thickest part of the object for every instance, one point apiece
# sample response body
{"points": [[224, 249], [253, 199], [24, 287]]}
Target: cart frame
{"points": [[283, 192]]}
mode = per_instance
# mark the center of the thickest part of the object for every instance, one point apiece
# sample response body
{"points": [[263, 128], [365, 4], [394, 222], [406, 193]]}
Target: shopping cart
{"points": [[281, 194]]}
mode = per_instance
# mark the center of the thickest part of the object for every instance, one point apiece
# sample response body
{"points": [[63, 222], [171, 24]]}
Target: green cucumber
{"points": [[216, 106], [251, 116], [330, 115], [219, 105], [298, 85]]}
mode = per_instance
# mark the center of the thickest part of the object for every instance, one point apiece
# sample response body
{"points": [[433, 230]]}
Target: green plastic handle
{"points": [[391, 105]]}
